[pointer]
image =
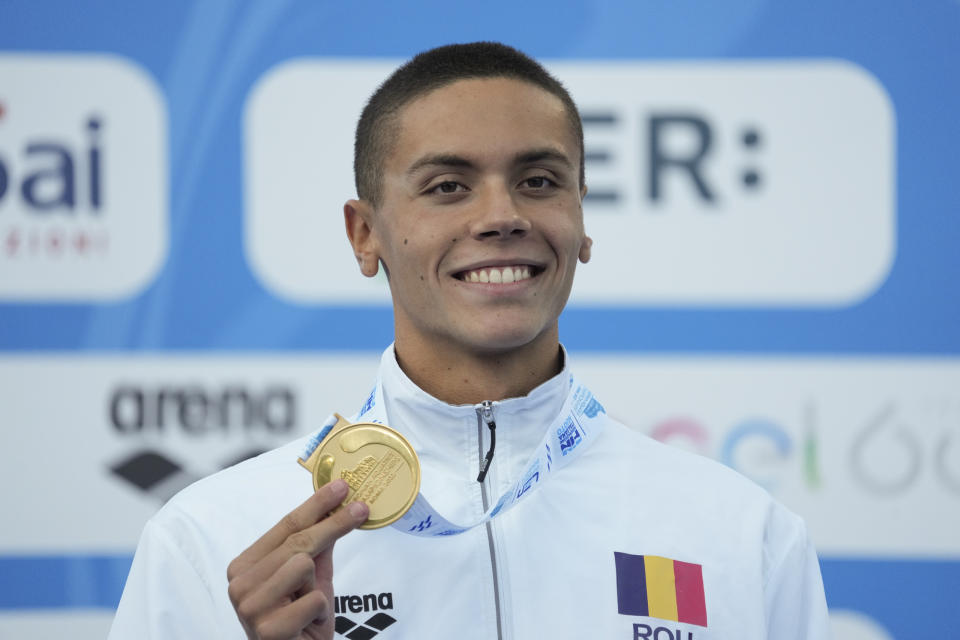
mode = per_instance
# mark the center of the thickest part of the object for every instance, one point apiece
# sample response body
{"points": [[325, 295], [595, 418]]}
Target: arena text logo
{"points": [[83, 178], [169, 427], [377, 604]]}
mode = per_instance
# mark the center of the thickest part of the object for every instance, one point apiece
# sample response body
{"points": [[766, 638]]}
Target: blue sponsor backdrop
{"points": [[207, 55]]}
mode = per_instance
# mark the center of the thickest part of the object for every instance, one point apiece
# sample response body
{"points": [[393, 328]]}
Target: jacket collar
{"points": [[446, 435]]}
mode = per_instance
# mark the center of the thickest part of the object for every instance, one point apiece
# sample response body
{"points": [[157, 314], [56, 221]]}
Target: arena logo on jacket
{"points": [[362, 606], [664, 589]]}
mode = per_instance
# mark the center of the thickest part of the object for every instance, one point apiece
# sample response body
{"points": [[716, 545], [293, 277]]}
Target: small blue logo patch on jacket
{"points": [[593, 408], [369, 403], [569, 436]]}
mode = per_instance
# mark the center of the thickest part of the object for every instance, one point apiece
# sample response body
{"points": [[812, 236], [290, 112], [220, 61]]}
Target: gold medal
{"points": [[378, 464]]}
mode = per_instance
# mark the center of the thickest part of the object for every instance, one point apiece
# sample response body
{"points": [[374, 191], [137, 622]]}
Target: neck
{"points": [[466, 376]]}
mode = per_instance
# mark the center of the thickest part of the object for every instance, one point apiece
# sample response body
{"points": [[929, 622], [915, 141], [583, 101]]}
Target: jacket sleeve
{"points": [[796, 607], [165, 597]]}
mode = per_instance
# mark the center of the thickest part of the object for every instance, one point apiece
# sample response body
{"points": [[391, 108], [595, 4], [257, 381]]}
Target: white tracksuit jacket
{"points": [[544, 569]]}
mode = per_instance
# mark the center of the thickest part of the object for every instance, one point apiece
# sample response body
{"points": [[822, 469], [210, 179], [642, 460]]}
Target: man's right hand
{"points": [[282, 586]]}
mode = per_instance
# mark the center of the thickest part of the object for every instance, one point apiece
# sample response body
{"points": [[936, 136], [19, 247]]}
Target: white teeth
{"points": [[498, 275]]}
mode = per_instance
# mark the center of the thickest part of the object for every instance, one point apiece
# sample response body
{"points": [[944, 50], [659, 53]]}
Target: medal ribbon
{"points": [[569, 434]]}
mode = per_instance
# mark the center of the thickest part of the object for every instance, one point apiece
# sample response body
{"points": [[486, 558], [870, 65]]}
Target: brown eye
{"points": [[446, 187], [538, 182]]}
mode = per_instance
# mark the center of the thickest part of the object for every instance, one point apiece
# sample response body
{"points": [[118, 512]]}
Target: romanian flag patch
{"points": [[660, 588]]}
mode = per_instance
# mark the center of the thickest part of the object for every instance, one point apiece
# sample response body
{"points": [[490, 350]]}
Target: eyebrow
{"points": [[539, 155], [439, 160], [524, 157]]}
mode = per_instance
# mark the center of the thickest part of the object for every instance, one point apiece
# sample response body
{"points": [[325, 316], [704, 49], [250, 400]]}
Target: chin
{"points": [[505, 340]]}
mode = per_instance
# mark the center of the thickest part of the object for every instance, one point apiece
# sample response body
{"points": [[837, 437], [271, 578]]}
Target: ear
{"points": [[585, 249], [358, 216], [587, 240]]}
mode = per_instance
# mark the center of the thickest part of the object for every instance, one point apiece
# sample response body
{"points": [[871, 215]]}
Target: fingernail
{"points": [[357, 510], [339, 488]]}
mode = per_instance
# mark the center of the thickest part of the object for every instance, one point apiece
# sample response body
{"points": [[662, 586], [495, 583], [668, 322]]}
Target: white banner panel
{"points": [[83, 177], [725, 183], [867, 450], [96, 444], [54, 625]]}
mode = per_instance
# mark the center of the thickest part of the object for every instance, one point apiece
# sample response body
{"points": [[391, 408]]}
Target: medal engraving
{"points": [[378, 464], [356, 477]]}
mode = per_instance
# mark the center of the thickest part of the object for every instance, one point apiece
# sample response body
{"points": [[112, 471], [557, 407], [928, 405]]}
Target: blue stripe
{"points": [[631, 584], [922, 587], [910, 598], [62, 581]]}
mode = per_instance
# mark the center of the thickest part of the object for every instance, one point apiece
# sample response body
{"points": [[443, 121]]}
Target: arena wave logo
{"points": [[83, 178], [371, 626], [165, 421]]}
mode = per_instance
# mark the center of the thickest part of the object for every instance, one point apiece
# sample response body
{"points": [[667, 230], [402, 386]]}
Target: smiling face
{"points": [[480, 224]]}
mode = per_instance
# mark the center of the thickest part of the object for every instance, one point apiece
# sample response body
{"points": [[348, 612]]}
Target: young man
{"points": [[469, 166]]}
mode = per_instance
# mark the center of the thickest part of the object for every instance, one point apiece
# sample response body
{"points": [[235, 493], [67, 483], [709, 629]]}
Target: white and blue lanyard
{"points": [[577, 423]]}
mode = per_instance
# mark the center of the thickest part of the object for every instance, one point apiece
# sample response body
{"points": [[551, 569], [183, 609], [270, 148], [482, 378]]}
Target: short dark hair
{"points": [[432, 70]]}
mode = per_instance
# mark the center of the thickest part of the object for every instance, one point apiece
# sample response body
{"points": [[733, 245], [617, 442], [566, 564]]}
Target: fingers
{"points": [[307, 514], [283, 582], [323, 534], [295, 575], [291, 620], [310, 541]]}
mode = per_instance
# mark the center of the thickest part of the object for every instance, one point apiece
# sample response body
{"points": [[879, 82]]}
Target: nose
{"points": [[499, 217]]}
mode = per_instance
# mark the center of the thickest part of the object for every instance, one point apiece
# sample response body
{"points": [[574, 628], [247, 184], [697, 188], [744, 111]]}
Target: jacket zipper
{"points": [[485, 411], [485, 419]]}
